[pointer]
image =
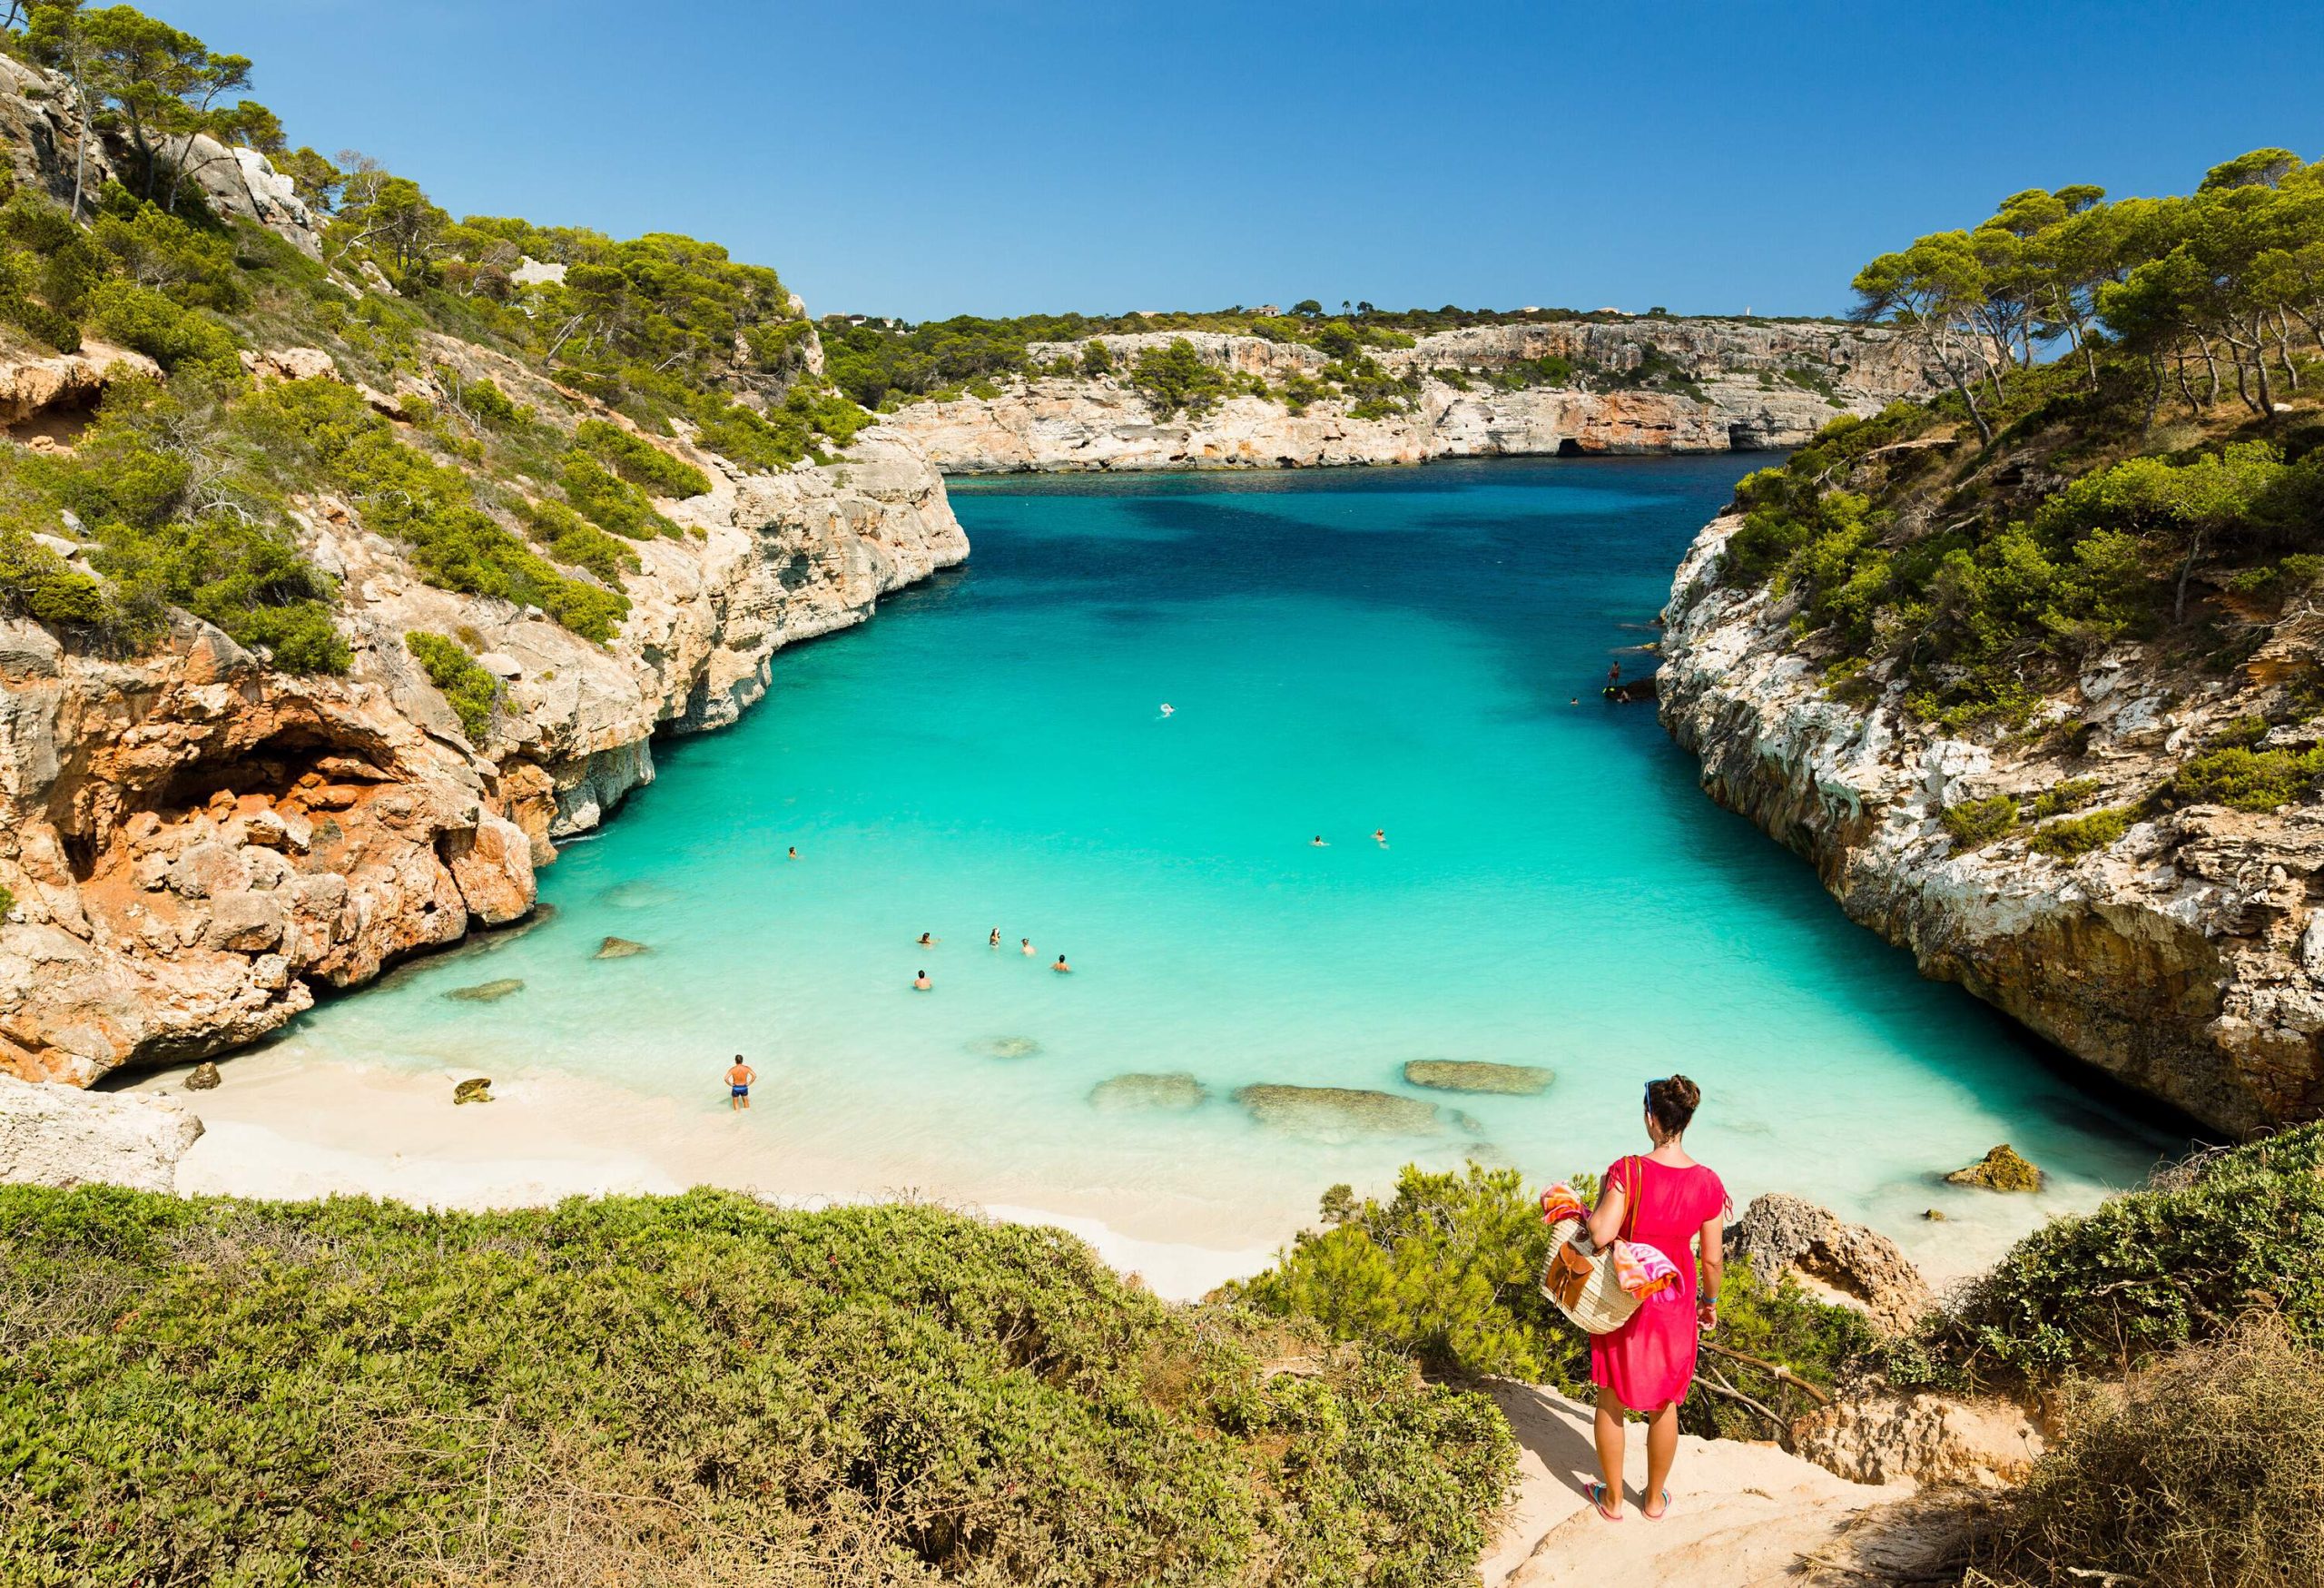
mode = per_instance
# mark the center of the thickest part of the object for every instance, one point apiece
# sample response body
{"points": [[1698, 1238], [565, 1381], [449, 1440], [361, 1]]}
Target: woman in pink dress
{"points": [[1646, 1366]]}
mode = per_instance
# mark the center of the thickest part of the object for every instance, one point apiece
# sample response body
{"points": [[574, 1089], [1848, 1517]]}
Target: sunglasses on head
{"points": [[1651, 1086]]}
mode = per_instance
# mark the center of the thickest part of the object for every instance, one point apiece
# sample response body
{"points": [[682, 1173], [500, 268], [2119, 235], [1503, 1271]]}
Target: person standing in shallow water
{"points": [[738, 1084], [1646, 1366]]}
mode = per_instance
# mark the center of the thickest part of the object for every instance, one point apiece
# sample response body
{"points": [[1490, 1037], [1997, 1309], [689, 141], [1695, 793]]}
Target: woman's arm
{"points": [[1713, 1235], [1606, 1223]]}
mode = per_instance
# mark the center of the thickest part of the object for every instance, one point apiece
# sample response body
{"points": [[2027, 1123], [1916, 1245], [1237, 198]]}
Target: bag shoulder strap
{"points": [[1630, 1195]]}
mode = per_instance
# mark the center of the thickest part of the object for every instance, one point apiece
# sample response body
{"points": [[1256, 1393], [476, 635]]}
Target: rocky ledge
{"points": [[2183, 959], [194, 841], [1743, 385]]}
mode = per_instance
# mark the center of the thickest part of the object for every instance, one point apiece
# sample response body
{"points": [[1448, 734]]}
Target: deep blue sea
{"points": [[1344, 651]]}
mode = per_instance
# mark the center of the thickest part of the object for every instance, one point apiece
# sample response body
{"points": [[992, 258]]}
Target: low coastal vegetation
{"points": [[190, 491], [2161, 485], [1449, 1270], [688, 1389], [885, 365]]}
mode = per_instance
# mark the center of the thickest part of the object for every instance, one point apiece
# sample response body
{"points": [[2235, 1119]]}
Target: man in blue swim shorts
{"points": [[738, 1079]]}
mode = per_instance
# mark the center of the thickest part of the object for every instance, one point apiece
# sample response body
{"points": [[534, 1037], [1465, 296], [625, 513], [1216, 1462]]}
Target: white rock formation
{"points": [[53, 1136]]}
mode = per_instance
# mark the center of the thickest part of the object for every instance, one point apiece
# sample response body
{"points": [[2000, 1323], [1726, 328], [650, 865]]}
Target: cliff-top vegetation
{"points": [[695, 1389], [511, 428], [885, 364], [2130, 452]]}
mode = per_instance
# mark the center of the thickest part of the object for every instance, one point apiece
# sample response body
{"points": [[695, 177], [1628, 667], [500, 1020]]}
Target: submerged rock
{"points": [[479, 1091], [1005, 1047], [1779, 1234], [1338, 1110], [1176, 1089], [488, 991], [1476, 1075], [618, 947], [1999, 1170], [205, 1077]]}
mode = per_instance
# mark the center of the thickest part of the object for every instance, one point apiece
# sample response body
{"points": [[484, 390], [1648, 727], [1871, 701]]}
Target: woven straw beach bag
{"points": [[1579, 1281]]}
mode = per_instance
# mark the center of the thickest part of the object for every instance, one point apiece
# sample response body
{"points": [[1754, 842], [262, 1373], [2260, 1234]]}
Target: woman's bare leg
{"points": [[1661, 1449], [1611, 1435]]}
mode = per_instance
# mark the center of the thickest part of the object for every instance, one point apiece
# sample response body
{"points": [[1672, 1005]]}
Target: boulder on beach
{"points": [[1999, 1170], [488, 991], [1842, 1262], [1477, 1075], [205, 1077], [618, 947], [1176, 1089], [1005, 1047], [479, 1091], [1338, 1110]]}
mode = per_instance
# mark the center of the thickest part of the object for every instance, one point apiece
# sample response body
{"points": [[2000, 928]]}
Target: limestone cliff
{"points": [[2184, 960], [1738, 385]]}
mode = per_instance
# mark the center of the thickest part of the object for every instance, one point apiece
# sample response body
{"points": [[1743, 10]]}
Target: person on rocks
{"points": [[1646, 1366], [739, 1076], [920, 983]]}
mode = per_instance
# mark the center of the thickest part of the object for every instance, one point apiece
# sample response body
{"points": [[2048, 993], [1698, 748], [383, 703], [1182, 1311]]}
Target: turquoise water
{"points": [[1345, 651]]}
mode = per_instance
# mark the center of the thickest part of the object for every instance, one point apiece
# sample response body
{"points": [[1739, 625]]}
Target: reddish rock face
{"points": [[200, 838]]}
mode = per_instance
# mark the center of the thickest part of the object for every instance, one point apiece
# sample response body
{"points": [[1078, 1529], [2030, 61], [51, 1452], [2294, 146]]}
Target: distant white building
{"points": [[1266, 308]]}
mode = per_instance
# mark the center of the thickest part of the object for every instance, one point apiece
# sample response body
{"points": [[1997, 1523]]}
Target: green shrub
{"points": [[697, 1388], [610, 501], [155, 324], [1174, 380], [1449, 1271], [1972, 823], [1097, 358], [37, 583], [473, 693], [2062, 797], [2149, 1271], [7, 902], [2245, 779], [571, 538], [2199, 1472], [640, 462], [2078, 835]]}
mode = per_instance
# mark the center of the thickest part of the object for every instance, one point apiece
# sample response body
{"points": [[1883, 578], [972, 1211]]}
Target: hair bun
{"points": [[1672, 1102]]}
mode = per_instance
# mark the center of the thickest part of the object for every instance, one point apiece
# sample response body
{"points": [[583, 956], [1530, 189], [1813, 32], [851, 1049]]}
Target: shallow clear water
{"points": [[1345, 651]]}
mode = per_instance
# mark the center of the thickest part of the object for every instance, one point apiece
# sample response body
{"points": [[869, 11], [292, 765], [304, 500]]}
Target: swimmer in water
{"points": [[1575, 701], [927, 942], [1168, 708], [1062, 966], [1317, 843], [1380, 837], [920, 983], [793, 853], [1025, 946], [994, 941]]}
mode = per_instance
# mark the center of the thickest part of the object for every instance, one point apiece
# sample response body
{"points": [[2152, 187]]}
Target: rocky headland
{"points": [[194, 841], [2183, 959], [1726, 385]]}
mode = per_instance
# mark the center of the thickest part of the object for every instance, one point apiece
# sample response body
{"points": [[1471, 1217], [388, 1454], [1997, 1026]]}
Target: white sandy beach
{"points": [[290, 1127]]}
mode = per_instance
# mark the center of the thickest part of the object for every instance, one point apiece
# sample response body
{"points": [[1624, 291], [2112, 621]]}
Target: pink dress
{"points": [[1649, 1361]]}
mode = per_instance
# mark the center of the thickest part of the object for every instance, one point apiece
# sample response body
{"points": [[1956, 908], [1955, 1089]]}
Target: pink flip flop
{"points": [[1656, 1515], [1598, 1498]]}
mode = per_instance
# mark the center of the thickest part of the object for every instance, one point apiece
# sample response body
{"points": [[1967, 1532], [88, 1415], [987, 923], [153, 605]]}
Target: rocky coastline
{"points": [[2183, 961], [1741, 386]]}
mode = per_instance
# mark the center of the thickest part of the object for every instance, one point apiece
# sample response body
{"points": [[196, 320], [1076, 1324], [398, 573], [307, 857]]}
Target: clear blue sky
{"points": [[1002, 156]]}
